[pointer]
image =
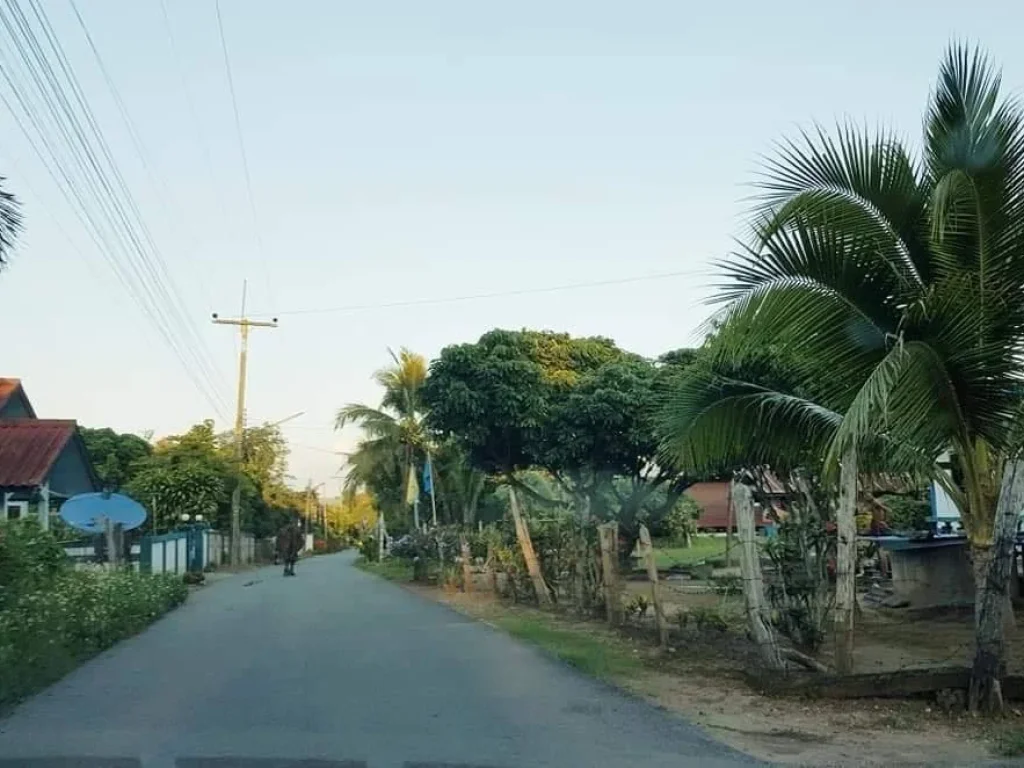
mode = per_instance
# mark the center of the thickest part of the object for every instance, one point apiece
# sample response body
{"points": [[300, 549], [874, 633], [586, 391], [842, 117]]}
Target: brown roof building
{"points": [[42, 461]]}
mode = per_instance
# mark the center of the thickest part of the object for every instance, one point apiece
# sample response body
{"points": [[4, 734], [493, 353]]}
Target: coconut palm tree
{"points": [[393, 434], [903, 278]]}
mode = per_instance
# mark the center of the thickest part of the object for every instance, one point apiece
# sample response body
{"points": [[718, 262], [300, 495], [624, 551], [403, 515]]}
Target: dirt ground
{"points": [[702, 680]]}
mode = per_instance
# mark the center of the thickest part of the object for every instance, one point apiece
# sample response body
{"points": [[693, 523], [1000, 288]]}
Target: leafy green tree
{"points": [[902, 278], [195, 472], [497, 396], [115, 457], [169, 490]]}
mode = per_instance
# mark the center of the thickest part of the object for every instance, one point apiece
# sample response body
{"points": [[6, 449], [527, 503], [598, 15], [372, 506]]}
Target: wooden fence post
{"points": [[846, 562], [609, 537], [758, 616], [647, 553], [467, 566], [529, 555]]}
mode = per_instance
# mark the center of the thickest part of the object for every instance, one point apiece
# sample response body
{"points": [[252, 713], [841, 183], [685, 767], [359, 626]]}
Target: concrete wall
{"points": [[933, 576]]}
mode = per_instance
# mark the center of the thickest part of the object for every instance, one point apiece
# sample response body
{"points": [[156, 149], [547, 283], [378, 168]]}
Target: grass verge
{"points": [[391, 569], [594, 653], [47, 632], [702, 548]]}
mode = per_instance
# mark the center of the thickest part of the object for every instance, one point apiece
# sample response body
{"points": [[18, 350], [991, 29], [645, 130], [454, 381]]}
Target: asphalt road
{"points": [[337, 668]]}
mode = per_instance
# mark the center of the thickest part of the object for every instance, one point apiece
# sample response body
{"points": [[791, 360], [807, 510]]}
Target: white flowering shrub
{"points": [[57, 617]]}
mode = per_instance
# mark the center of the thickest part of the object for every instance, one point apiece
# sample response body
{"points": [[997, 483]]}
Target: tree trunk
{"points": [[758, 616], [991, 565], [529, 555], [476, 486], [609, 538], [846, 562]]}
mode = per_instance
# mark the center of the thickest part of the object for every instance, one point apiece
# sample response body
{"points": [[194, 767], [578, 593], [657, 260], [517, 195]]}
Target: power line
{"points": [[153, 264], [158, 185], [204, 145], [245, 155], [91, 183], [495, 294]]}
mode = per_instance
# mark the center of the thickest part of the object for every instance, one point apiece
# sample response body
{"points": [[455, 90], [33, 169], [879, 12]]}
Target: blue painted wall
{"points": [[17, 407], [70, 473]]}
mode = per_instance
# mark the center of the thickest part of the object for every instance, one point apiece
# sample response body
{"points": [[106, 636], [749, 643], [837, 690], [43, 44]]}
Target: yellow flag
{"points": [[412, 487]]}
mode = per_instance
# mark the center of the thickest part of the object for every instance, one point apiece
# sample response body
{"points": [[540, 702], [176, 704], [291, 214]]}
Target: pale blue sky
{"points": [[410, 150]]}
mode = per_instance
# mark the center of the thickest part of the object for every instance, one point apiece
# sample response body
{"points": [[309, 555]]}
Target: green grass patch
{"points": [[1009, 743], [703, 548], [392, 569], [591, 652]]}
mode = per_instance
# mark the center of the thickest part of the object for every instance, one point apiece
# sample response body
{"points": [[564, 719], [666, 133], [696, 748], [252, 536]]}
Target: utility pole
{"points": [[244, 324]]}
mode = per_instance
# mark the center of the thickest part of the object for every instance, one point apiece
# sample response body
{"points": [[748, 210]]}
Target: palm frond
{"points": [[712, 422], [373, 421], [854, 183], [909, 400], [10, 222]]}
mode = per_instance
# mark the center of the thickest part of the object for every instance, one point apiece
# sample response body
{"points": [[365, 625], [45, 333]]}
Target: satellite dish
{"points": [[91, 511]]}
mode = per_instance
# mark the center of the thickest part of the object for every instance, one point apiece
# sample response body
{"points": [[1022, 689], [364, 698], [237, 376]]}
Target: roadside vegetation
{"points": [[865, 353], [53, 618]]}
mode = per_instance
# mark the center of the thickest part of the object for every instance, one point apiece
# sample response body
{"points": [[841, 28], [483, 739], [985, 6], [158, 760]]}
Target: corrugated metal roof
{"points": [[29, 448], [713, 500]]}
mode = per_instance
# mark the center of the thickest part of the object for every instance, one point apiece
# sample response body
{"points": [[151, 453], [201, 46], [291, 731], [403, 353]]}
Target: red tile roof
{"points": [[29, 448]]}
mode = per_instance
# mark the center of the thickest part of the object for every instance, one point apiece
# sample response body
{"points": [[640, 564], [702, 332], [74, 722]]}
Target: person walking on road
{"points": [[289, 543]]}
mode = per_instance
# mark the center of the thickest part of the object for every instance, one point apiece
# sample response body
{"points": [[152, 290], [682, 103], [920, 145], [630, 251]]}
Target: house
{"points": [[14, 402], [713, 498], [42, 461]]}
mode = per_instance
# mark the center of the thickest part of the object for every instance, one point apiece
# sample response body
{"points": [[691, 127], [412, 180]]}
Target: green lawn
{"points": [[594, 653], [392, 568], [702, 548]]}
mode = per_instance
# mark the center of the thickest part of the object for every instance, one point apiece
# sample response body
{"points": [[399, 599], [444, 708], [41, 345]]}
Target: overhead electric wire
{"points": [[490, 295], [244, 154], [154, 265], [204, 146], [162, 193], [137, 271], [130, 239], [171, 210]]}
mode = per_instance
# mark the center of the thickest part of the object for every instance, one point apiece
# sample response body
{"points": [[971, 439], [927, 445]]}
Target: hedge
{"points": [[52, 617]]}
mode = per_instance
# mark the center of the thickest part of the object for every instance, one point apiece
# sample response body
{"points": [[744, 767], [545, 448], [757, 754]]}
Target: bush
{"points": [[44, 633], [368, 549], [52, 617], [907, 513], [29, 558]]}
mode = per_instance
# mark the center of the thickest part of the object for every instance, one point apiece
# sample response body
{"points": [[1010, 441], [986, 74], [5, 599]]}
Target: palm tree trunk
{"points": [[846, 562], [991, 564]]}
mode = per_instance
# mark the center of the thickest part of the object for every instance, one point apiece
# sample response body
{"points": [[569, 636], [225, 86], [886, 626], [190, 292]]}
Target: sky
{"points": [[402, 154]]}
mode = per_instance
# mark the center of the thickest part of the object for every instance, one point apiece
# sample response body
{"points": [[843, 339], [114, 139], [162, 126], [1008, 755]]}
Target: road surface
{"points": [[338, 668]]}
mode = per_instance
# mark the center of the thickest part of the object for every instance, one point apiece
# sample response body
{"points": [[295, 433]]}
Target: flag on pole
{"points": [[412, 488], [428, 477]]}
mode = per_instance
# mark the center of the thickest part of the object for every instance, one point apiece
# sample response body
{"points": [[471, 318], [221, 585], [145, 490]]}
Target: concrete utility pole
{"points": [[244, 324]]}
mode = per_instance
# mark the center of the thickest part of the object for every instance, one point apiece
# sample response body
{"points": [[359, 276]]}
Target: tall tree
{"points": [[115, 457], [904, 278], [394, 439]]}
